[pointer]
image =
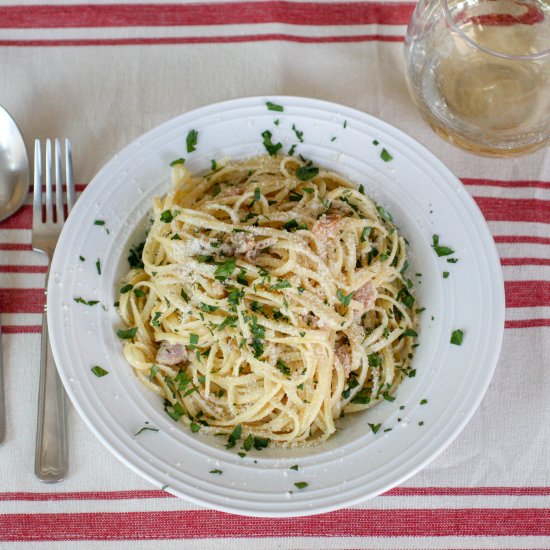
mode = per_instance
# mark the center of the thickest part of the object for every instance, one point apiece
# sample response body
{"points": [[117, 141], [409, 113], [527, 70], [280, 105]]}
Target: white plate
{"points": [[356, 464]]}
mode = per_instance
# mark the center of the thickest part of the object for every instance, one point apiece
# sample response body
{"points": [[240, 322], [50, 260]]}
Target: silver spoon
{"points": [[14, 185]]}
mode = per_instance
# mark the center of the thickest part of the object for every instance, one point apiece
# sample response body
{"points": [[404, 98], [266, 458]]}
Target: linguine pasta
{"points": [[271, 300]]}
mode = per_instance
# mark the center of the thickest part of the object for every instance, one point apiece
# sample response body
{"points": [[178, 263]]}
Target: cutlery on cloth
{"points": [[14, 186], [47, 220]]}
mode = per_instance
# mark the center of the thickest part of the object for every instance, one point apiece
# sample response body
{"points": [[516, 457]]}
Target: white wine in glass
{"points": [[480, 72]]}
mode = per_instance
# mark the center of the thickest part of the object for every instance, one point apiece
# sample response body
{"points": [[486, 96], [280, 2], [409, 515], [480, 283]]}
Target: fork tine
{"points": [[69, 180], [58, 184], [49, 194], [37, 194]]}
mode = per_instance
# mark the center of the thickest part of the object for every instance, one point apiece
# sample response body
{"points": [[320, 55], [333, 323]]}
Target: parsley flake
{"points": [[456, 337], [374, 427], [99, 371], [127, 334], [306, 173], [225, 269], [191, 140], [439, 249], [80, 300], [272, 148], [385, 155], [274, 107], [343, 298], [181, 160]]}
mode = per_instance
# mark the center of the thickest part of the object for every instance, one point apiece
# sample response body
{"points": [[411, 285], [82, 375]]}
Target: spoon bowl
{"points": [[14, 185], [14, 166]]}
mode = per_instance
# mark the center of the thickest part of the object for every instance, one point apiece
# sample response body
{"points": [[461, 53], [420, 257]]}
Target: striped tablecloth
{"points": [[102, 74]]}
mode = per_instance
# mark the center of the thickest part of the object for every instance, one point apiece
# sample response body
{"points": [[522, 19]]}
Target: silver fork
{"points": [[48, 216]]}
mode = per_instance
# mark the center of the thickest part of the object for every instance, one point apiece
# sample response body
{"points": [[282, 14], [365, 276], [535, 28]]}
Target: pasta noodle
{"points": [[271, 299]]}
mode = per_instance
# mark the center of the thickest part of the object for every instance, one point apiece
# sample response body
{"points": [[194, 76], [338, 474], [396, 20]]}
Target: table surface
{"points": [[104, 73]]}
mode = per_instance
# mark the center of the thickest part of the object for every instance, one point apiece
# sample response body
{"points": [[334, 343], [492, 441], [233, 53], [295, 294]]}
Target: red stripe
{"points": [[500, 183], [526, 239], [23, 268], [527, 293], [204, 40], [225, 13], [525, 261], [198, 524], [15, 246], [22, 219], [396, 492], [21, 329], [514, 210], [22, 300], [527, 323]]}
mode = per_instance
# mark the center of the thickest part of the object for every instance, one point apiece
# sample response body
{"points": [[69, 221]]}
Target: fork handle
{"points": [[50, 464], [2, 396]]}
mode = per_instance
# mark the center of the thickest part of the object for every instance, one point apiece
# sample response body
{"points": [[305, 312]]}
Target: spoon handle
{"points": [[2, 395], [50, 463]]}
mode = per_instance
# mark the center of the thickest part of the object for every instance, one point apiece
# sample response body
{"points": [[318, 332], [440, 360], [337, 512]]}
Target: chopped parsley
{"points": [[384, 213], [445, 274], [194, 427], [374, 427], [208, 308], [155, 321], [154, 371], [176, 411], [409, 332], [293, 225], [181, 160], [99, 222], [456, 337], [295, 467], [293, 196], [234, 436], [301, 484], [184, 295], [272, 148], [385, 156], [274, 107], [281, 283], [283, 367], [343, 298], [82, 258], [191, 140], [134, 258], [126, 288], [213, 165], [127, 334], [299, 135], [216, 471], [225, 269], [193, 339], [365, 234], [291, 150], [166, 216], [145, 429], [423, 401], [99, 371], [439, 249], [80, 300], [307, 172]]}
